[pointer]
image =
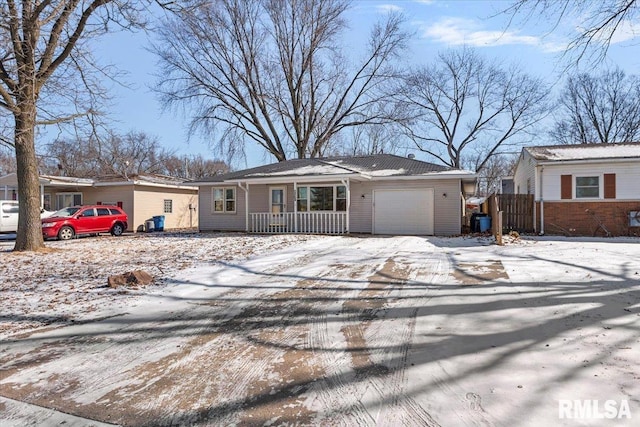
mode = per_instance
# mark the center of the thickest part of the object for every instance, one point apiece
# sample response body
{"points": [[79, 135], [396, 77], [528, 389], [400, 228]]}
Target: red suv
{"points": [[69, 222]]}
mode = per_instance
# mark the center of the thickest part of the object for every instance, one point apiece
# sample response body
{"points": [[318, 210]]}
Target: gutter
{"points": [[541, 201]]}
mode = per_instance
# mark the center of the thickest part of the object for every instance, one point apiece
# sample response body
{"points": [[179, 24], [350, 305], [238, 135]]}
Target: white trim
{"points": [[224, 200], [347, 185], [246, 205], [589, 161], [600, 186], [284, 197], [141, 183]]}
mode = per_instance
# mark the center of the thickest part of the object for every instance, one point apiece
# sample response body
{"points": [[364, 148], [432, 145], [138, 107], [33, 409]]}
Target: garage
{"points": [[403, 211]]}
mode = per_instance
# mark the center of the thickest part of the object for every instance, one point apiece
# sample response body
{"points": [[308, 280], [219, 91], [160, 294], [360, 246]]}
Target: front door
{"points": [[278, 205]]}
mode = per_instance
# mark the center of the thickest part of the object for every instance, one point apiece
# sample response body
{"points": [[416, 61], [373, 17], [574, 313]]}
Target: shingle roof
{"points": [[373, 165], [585, 151]]}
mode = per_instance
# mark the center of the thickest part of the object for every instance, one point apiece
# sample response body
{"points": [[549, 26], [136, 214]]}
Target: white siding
{"points": [[525, 172], [627, 178]]}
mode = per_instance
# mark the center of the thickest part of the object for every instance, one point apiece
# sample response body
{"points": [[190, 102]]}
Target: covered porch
{"points": [[318, 206], [299, 222]]}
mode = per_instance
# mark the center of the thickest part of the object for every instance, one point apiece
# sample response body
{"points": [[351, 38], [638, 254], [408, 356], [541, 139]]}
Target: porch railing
{"points": [[298, 222]]}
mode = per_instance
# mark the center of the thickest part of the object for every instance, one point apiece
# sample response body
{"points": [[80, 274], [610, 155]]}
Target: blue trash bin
{"points": [[485, 223], [158, 223]]}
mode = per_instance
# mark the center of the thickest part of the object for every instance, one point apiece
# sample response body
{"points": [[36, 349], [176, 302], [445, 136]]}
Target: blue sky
{"points": [[438, 25]]}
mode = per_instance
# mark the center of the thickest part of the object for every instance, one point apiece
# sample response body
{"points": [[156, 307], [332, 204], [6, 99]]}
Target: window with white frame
{"points": [[587, 187], [168, 206], [224, 200], [322, 198]]}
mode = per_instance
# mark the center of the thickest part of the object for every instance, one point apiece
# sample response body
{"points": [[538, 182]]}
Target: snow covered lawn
{"points": [[273, 330]]}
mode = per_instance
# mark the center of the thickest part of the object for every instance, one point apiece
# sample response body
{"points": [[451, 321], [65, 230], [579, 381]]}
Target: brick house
{"points": [[582, 190]]}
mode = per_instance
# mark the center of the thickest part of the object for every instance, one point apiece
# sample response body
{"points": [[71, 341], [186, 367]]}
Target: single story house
{"points": [[141, 196], [582, 189], [377, 194]]}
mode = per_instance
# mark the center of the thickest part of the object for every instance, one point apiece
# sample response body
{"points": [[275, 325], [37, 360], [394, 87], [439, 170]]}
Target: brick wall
{"points": [[572, 218]]}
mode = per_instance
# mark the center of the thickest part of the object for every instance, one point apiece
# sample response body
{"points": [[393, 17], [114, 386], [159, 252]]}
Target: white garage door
{"points": [[403, 211]]}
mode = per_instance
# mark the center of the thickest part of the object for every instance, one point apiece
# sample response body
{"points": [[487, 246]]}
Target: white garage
{"points": [[403, 211]]}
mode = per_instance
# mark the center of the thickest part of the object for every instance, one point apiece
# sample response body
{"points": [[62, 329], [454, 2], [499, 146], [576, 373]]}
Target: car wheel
{"points": [[117, 230], [66, 233]]}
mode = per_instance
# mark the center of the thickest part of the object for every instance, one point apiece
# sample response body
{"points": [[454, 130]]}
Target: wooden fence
{"points": [[517, 212]]}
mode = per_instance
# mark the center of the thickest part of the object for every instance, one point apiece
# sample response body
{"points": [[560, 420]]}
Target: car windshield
{"points": [[66, 212]]}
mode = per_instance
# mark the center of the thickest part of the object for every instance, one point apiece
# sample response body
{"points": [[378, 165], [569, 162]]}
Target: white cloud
{"points": [[626, 31], [461, 31], [386, 8]]}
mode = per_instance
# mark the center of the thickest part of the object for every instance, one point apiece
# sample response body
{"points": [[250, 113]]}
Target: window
{"points": [[341, 198], [65, 200], [278, 200], [47, 202], [587, 187], [168, 206], [103, 211], [303, 194], [321, 198], [224, 200], [88, 212], [10, 208], [327, 198]]}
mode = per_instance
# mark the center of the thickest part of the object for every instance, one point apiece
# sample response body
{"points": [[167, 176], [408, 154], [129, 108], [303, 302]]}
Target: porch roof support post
{"points": [[41, 196], [347, 184], [295, 206]]}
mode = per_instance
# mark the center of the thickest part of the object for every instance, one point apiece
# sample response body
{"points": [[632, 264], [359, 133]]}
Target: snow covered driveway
{"points": [[278, 330]]}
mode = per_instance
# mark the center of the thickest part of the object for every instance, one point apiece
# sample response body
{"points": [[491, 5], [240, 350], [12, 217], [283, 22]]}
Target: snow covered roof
{"points": [[373, 166], [107, 180], [585, 152]]}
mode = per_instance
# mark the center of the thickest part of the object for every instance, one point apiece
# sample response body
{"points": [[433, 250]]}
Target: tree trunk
{"points": [[29, 236]]}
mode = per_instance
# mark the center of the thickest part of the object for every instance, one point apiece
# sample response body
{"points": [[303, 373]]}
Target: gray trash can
{"points": [[149, 225]]}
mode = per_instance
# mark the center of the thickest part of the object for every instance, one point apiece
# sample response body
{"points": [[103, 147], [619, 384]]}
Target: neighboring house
{"points": [[141, 196], [506, 185], [378, 194], [582, 189]]}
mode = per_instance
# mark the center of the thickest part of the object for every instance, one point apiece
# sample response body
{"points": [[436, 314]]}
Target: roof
{"points": [[108, 180], [368, 167], [555, 153]]}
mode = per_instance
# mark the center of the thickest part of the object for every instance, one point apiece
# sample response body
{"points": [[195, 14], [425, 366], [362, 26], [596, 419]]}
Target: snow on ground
{"points": [[360, 330], [68, 281]]}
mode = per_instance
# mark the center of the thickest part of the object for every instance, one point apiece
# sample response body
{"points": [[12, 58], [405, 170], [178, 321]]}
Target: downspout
{"points": [[295, 206], [347, 184], [541, 201], [246, 205]]}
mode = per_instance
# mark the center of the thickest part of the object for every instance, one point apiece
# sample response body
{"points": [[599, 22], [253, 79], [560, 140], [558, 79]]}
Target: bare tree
{"points": [[365, 140], [603, 108], [496, 168], [194, 167], [7, 161], [463, 109], [601, 21], [44, 67], [128, 155], [271, 72]]}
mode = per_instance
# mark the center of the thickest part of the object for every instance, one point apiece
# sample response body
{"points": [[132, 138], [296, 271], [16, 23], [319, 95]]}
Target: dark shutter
{"points": [[565, 186], [609, 185]]}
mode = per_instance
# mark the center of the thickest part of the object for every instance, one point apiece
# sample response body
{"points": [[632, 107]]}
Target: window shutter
{"points": [[566, 191], [609, 185]]}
